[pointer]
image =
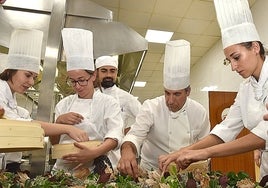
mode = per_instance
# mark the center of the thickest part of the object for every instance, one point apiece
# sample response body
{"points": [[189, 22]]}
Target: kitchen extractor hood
{"points": [[110, 38]]}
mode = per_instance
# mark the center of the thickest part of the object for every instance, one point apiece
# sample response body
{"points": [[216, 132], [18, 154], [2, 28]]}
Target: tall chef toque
{"points": [[177, 65], [25, 50], [236, 22], [78, 47]]}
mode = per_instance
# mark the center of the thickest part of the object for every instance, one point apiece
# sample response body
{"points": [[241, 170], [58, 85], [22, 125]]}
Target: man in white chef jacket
{"points": [[166, 123], [107, 68]]}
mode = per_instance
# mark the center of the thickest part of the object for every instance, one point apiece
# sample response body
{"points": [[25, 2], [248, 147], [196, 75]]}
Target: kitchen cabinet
{"points": [[219, 103]]}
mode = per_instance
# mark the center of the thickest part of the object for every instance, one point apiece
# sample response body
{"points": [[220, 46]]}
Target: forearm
{"points": [[241, 145], [128, 147], [207, 141], [53, 129], [108, 145]]}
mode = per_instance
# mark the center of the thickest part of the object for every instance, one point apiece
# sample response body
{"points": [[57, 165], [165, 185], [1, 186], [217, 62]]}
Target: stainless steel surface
{"points": [[109, 38], [30, 5], [131, 64], [46, 97], [46, 100], [89, 9]]}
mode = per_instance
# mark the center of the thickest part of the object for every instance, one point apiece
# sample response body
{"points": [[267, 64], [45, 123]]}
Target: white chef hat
{"points": [[78, 47], [177, 65], [25, 50], [3, 60], [106, 61], [236, 22]]}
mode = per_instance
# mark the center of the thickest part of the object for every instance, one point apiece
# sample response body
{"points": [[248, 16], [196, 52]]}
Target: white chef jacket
{"points": [[129, 105], [102, 119], [247, 111], [12, 111], [158, 131]]}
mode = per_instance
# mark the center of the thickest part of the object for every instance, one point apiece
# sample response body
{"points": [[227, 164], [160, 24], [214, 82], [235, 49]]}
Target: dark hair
{"points": [[188, 88], [95, 83], [248, 45], [7, 74], [90, 72]]}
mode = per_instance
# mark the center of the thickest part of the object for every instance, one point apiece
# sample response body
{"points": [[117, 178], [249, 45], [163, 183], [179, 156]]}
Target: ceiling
{"points": [[192, 20]]}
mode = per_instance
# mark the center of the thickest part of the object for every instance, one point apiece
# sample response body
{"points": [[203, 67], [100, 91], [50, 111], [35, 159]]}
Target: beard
{"points": [[107, 82]]}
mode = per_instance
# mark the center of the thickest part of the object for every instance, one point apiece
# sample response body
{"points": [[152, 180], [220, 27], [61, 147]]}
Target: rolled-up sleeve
{"points": [[229, 128], [140, 129]]}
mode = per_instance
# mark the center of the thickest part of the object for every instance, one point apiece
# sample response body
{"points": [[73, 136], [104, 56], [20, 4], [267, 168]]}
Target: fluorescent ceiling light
{"points": [[209, 88], [139, 84], [158, 36]]}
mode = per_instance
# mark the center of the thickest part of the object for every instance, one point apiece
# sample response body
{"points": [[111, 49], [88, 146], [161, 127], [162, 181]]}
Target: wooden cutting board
{"points": [[18, 135], [59, 150]]}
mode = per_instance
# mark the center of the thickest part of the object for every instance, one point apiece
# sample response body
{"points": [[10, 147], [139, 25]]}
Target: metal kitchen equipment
{"points": [[50, 16]]}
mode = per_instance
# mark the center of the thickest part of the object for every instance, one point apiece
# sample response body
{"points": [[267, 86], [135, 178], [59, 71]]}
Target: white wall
{"points": [[210, 71]]}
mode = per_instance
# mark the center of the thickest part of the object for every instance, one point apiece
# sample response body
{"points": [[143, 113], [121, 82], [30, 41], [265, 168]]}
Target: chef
{"points": [[246, 55], [168, 122], [107, 68], [21, 68], [96, 113]]}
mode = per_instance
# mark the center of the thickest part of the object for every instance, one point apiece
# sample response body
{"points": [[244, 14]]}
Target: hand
{"points": [[77, 134], [257, 157], [183, 158], [186, 157], [165, 160], [70, 118], [84, 155], [128, 163]]}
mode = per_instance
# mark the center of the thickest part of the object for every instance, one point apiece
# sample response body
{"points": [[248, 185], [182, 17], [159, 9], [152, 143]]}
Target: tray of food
{"points": [[153, 179]]}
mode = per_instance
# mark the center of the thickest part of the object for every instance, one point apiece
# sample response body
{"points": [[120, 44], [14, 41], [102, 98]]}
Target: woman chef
{"points": [[245, 53], [92, 111], [21, 69]]}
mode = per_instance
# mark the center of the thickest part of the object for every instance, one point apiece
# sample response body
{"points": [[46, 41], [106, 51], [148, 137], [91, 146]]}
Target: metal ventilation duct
{"points": [[50, 16], [109, 37]]}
